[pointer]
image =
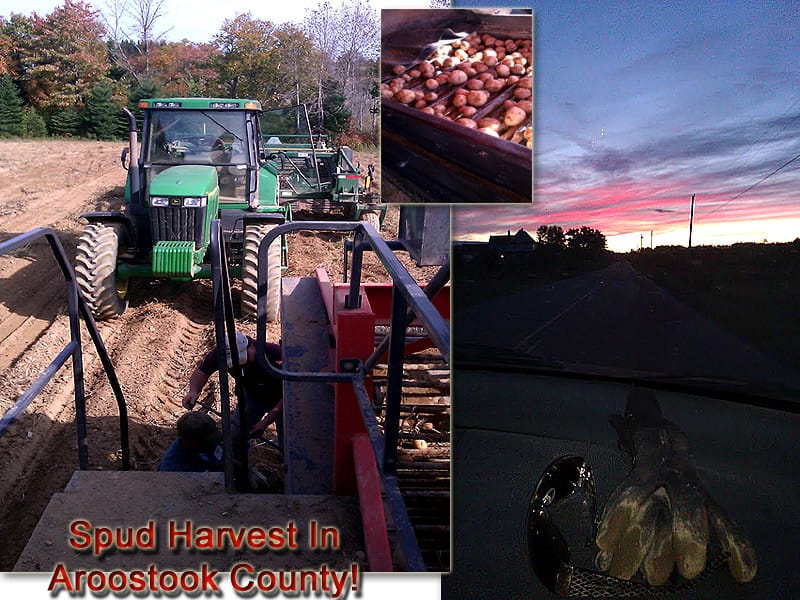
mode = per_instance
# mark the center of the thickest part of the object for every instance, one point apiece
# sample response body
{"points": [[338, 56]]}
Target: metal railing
{"points": [[408, 301], [77, 309]]}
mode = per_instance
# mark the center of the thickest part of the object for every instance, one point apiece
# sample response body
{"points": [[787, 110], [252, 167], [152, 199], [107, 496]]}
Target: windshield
{"points": [[195, 137], [606, 395], [711, 316]]}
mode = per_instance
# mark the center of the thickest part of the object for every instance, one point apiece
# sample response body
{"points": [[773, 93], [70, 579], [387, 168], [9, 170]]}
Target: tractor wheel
{"points": [[372, 218], [96, 270], [252, 240]]}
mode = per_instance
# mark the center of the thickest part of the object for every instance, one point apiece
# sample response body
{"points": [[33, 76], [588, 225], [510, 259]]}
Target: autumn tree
{"points": [[257, 59], [296, 66], [134, 35], [7, 49], [64, 57], [146, 14], [358, 62], [245, 54], [122, 50], [348, 37], [323, 26], [183, 68], [15, 33]]}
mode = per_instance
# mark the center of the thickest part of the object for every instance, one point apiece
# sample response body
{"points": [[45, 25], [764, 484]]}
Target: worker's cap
{"points": [[197, 426], [241, 347]]}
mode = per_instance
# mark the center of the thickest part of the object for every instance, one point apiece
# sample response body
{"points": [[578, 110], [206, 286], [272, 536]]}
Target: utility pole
{"points": [[641, 241], [651, 239], [691, 219]]}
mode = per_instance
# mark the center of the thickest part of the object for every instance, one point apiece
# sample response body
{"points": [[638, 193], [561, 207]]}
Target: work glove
{"points": [[658, 517]]}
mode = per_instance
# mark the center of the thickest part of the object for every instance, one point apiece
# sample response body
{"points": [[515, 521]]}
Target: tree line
{"points": [[582, 239], [70, 72]]}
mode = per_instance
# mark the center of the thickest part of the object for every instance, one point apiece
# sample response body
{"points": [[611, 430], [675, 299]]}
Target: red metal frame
{"points": [[373, 520], [355, 470]]}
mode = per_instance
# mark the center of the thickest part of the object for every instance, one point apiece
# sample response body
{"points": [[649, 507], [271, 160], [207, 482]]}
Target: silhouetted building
{"points": [[507, 246], [499, 252]]}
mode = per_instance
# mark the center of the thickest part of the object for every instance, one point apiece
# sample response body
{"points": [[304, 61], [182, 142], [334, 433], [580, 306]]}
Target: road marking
{"points": [[524, 346]]}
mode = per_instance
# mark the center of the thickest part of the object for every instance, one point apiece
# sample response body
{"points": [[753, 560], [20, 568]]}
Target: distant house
{"points": [[507, 246], [513, 251]]}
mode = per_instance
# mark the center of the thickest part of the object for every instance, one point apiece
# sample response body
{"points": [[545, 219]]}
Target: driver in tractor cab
{"points": [[263, 393], [219, 153]]}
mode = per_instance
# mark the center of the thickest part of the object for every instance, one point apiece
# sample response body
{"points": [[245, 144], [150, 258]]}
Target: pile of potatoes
{"points": [[459, 81]]}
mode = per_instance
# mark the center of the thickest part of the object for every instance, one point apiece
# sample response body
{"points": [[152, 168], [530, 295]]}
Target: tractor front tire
{"points": [[252, 240], [96, 270], [373, 218]]}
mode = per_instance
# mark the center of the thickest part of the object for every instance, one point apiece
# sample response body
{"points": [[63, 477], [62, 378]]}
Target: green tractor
{"points": [[201, 159], [314, 177]]}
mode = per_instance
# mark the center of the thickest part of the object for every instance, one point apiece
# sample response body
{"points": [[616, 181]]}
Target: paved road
{"points": [[615, 318]]}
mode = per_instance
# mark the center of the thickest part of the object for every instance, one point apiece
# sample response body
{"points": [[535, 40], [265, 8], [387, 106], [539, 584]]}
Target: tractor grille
{"points": [[174, 224]]}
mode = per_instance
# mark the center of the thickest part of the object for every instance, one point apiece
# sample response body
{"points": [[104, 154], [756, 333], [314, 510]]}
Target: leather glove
{"points": [[658, 517]]}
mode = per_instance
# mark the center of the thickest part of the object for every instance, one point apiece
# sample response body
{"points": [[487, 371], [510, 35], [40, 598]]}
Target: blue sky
{"points": [[641, 105]]}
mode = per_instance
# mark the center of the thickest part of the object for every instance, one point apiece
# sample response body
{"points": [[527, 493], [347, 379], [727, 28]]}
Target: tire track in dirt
{"points": [[27, 308], [153, 347], [56, 194], [83, 177]]}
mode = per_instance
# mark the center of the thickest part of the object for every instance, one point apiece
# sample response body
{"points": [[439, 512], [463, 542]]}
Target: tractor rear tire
{"points": [[252, 240], [96, 270], [372, 218]]}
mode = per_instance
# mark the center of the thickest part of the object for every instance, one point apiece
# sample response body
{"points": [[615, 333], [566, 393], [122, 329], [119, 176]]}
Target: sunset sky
{"points": [[639, 107]]}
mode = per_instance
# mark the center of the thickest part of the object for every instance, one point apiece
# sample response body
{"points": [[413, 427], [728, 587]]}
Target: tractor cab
{"points": [[199, 161], [202, 132]]}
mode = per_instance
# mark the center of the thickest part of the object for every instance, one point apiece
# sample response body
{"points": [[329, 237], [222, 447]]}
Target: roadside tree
{"points": [[586, 239], [551, 235]]}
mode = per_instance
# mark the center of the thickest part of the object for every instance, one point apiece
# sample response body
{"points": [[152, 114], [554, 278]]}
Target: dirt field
{"points": [[154, 345]]}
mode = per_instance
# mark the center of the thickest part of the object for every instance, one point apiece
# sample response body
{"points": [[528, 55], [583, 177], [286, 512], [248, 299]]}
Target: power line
{"points": [[759, 182]]}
